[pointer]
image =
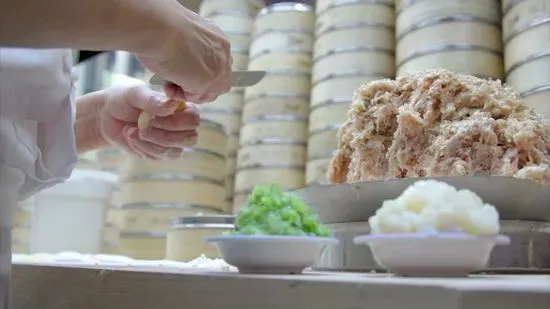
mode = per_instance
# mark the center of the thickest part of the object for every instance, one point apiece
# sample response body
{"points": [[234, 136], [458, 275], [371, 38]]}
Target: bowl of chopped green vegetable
{"points": [[275, 233]]}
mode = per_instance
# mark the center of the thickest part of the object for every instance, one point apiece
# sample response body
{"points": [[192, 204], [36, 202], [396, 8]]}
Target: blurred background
{"points": [[282, 130]]}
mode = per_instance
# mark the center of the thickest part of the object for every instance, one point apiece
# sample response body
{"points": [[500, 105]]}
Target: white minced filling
{"points": [[434, 206]]}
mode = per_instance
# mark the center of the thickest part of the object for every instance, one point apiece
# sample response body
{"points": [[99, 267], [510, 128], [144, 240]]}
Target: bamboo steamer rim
{"points": [[330, 127], [279, 140], [358, 73], [340, 3], [330, 102], [278, 96], [144, 234], [216, 110], [350, 72], [447, 48], [274, 141], [283, 50], [511, 4], [353, 49], [531, 58], [327, 104], [212, 124], [270, 166], [286, 72], [258, 35], [277, 117], [200, 150], [294, 50], [325, 155], [203, 221], [285, 7], [167, 205], [353, 26], [538, 22], [229, 12], [405, 4], [535, 90], [264, 95], [429, 22], [168, 177]]}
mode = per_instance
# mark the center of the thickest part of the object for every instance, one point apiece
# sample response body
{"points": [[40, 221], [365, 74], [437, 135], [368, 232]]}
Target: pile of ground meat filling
{"points": [[438, 123]]}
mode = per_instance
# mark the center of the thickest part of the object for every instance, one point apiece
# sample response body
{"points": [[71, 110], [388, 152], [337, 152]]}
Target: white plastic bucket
{"points": [[70, 216]]}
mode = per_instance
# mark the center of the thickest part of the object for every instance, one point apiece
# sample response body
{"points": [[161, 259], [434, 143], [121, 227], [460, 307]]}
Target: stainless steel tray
{"points": [[515, 199], [529, 249]]}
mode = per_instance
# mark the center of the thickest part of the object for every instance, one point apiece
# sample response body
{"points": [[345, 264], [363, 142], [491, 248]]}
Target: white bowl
{"points": [[431, 255], [259, 254]]}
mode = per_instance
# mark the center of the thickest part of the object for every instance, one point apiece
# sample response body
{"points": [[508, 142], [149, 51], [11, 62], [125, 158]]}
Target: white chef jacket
{"points": [[37, 141]]}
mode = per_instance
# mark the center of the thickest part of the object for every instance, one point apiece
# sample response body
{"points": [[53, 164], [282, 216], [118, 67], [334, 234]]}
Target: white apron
{"points": [[37, 142]]}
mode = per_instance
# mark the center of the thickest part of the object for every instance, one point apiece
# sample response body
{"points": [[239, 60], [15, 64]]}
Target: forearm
{"points": [[87, 130], [130, 25]]}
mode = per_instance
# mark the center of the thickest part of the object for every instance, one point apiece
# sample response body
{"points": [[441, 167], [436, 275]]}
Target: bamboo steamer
{"points": [[526, 43], [345, 13], [212, 137], [230, 120], [239, 41], [185, 239], [22, 217], [539, 99], [272, 152], [285, 16], [339, 88], [230, 102], [173, 188], [276, 105], [154, 217], [283, 83], [111, 234], [295, 40], [230, 190], [530, 74], [323, 143], [142, 245], [285, 127], [354, 61], [411, 14], [287, 176], [233, 144], [469, 60], [328, 114], [115, 199], [369, 37], [240, 60], [522, 14], [233, 22], [245, 7], [20, 248], [282, 60], [109, 248], [231, 166], [322, 5], [239, 200], [193, 161], [434, 35], [316, 171]]}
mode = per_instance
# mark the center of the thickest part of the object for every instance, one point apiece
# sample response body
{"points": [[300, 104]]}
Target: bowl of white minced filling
{"points": [[433, 230]]}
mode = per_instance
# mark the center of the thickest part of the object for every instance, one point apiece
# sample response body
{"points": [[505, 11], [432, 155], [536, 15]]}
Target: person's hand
{"points": [[194, 55], [167, 132]]}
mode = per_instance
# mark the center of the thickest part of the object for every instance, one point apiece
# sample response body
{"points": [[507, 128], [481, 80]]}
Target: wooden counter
{"points": [[55, 287]]}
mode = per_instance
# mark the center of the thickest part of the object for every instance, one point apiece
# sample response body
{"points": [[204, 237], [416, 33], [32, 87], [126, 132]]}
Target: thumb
{"points": [[151, 102]]}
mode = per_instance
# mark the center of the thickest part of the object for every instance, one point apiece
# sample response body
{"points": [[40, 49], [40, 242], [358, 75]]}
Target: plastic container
{"points": [[70, 216]]}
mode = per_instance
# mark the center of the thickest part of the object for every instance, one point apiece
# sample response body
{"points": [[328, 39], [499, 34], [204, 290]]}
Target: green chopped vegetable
{"points": [[271, 211]]}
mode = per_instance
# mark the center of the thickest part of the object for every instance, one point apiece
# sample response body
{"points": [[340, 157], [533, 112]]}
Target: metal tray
{"points": [[529, 249], [515, 199]]}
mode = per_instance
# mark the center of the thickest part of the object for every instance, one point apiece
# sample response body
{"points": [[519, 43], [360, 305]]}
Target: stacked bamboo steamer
{"points": [[273, 138], [107, 160], [152, 193], [22, 221], [236, 19], [460, 35], [526, 35], [354, 44]]}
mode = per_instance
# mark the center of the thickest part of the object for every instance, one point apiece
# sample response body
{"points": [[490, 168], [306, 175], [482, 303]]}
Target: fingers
{"points": [[147, 149], [184, 120], [152, 102]]}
